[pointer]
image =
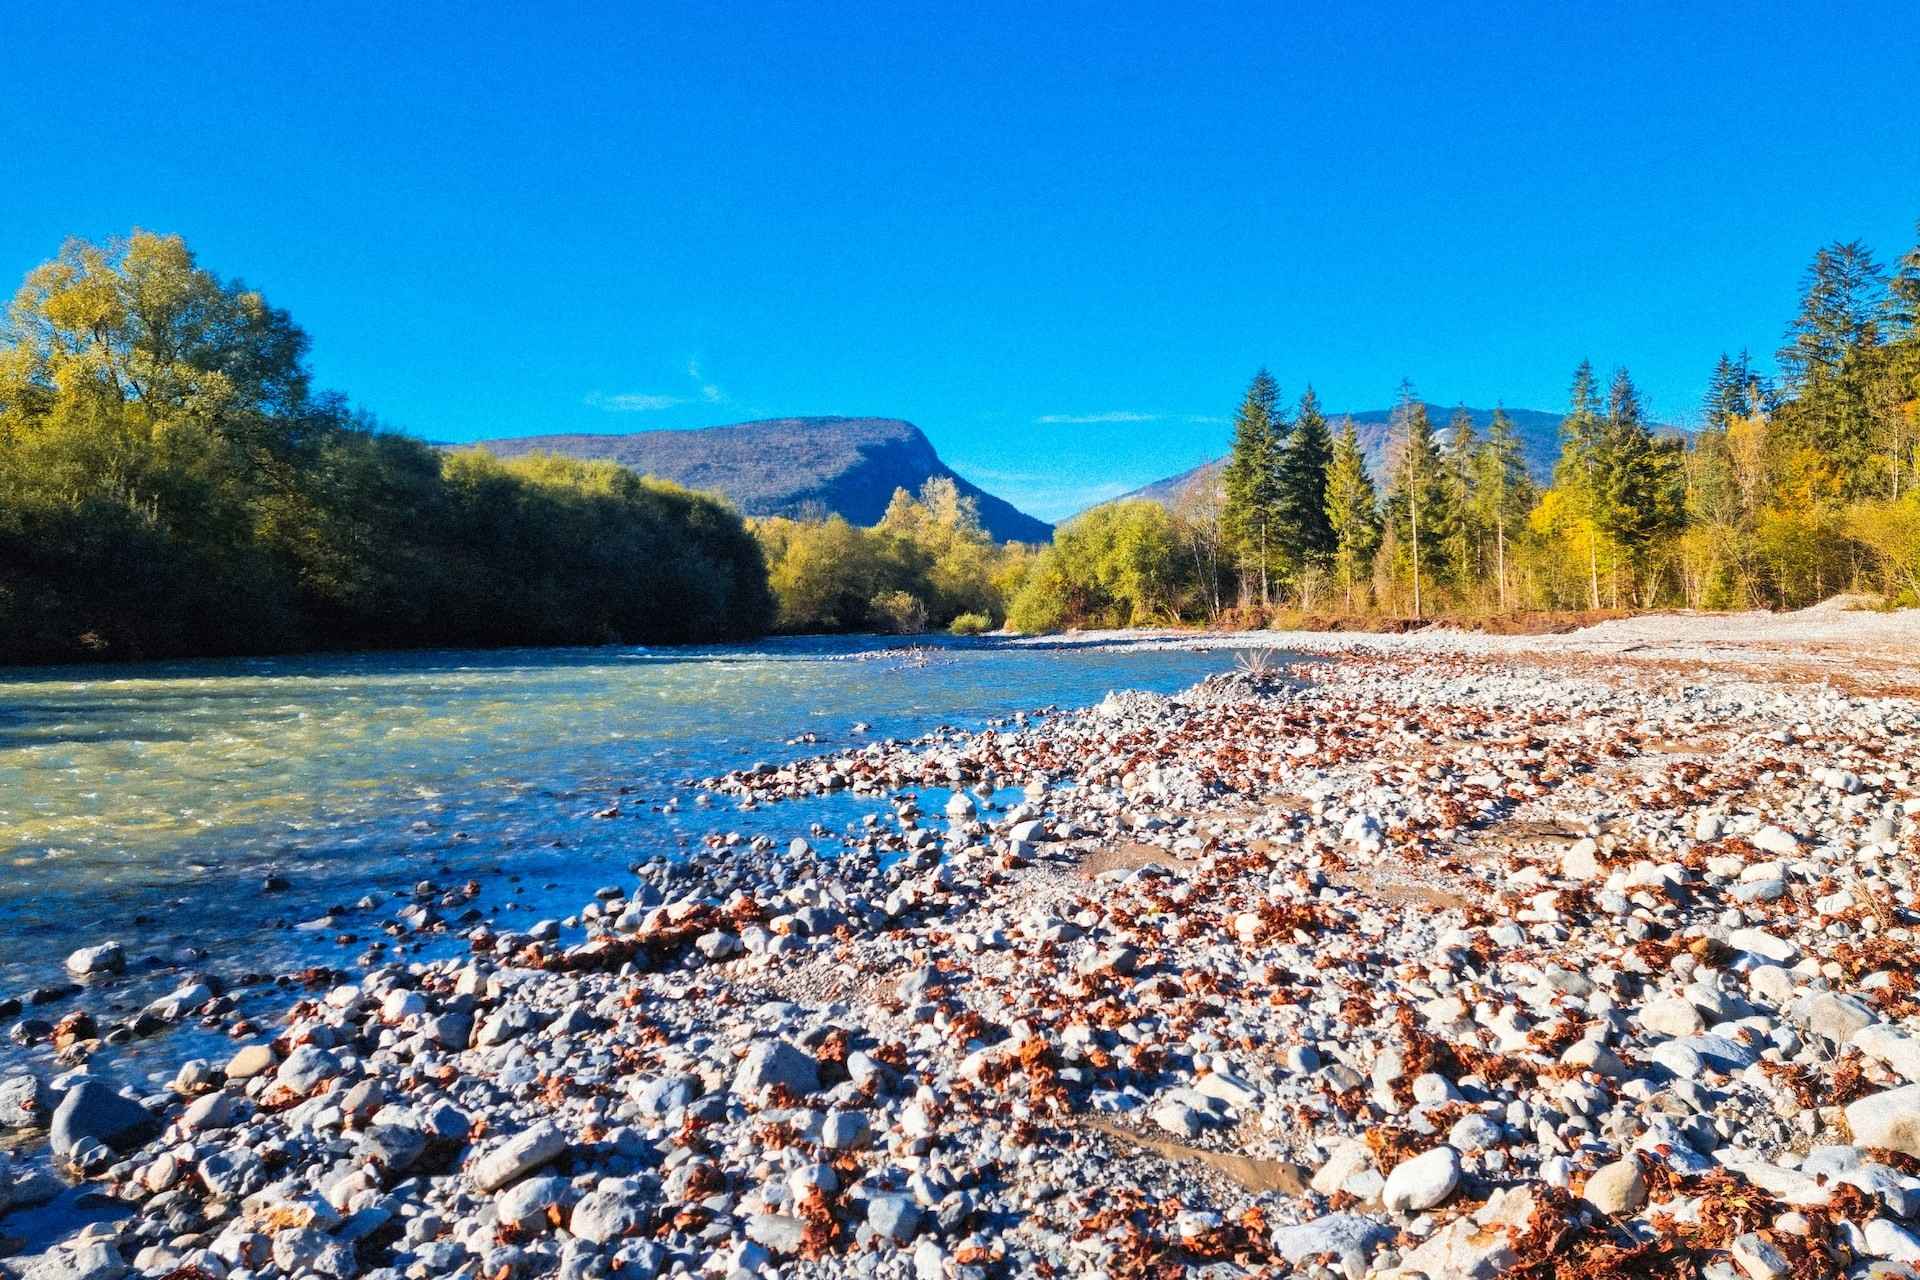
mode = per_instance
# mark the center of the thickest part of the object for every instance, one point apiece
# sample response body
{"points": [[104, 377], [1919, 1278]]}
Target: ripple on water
{"points": [[147, 803]]}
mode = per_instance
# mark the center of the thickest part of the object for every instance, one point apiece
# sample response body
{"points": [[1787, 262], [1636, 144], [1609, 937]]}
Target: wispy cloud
{"points": [[632, 402], [1084, 419], [705, 391], [709, 391]]}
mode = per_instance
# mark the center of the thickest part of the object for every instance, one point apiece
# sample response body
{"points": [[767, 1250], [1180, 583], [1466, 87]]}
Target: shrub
{"points": [[900, 612], [970, 624]]}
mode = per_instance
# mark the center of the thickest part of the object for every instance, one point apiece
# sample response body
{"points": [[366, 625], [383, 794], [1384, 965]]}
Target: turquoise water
{"points": [[149, 803]]}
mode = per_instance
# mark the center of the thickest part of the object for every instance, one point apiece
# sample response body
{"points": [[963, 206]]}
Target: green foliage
{"points": [[1117, 565], [828, 575], [1301, 487], [170, 484], [1419, 508], [970, 624], [1251, 518], [1353, 511]]}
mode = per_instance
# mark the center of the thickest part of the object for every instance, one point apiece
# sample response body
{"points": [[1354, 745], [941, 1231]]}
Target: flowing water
{"points": [[150, 804]]}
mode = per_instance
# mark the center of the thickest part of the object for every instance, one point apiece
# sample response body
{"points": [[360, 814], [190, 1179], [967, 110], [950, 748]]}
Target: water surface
{"points": [[150, 803]]}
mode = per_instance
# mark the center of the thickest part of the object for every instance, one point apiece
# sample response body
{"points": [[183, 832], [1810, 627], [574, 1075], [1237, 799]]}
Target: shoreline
{"points": [[1386, 965]]}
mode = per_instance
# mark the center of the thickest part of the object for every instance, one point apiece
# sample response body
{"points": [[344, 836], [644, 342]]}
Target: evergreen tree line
{"points": [[1787, 494], [171, 484]]}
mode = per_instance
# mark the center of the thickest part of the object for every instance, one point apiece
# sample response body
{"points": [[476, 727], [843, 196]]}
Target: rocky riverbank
{"points": [[1421, 962]]}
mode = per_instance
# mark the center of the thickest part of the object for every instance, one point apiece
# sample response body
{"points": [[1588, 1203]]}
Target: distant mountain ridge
{"points": [[1539, 433], [790, 466]]}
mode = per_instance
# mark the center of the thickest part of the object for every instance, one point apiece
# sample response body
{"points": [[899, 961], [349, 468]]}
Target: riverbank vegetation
{"points": [[172, 484]]}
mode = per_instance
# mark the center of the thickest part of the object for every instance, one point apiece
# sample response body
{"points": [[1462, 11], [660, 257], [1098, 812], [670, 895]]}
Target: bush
{"points": [[970, 624], [900, 612]]}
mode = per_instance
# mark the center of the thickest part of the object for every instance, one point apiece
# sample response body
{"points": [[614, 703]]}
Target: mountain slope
{"points": [[1539, 434], [790, 466]]}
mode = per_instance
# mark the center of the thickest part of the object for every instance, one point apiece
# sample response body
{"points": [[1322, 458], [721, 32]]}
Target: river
{"points": [[151, 804]]}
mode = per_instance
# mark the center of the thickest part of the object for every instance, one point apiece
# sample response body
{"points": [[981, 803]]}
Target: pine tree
{"points": [[1250, 515], [1460, 540], [1303, 485], [1502, 490], [1903, 295], [1416, 499], [1722, 389], [1353, 509], [1640, 479], [1577, 473], [1830, 364]]}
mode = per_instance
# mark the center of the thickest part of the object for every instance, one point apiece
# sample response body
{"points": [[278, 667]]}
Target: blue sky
{"points": [[1059, 238]]}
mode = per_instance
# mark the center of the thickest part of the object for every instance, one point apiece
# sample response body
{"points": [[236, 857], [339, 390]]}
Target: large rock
{"points": [[515, 1157], [615, 1208], [1671, 1016], [93, 1112], [775, 1062], [1618, 1188], [24, 1102], [1836, 1017], [306, 1069], [1890, 1119], [88, 1260], [108, 957], [1345, 1235], [1422, 1182], [1886, 1043], [1765, 945]]}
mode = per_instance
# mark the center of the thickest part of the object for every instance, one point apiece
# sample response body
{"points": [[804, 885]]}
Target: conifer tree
{"points": [[1416, 499], [1641, 482], [1723, 391], [1303, 485], [1577, 474], [1353, 509], [1830, 364], [1502, 490], [1460, 540], [1251, 480]]}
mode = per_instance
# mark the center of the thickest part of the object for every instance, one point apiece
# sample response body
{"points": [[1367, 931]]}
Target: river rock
{"points": [[1889, 1119], [1422, 1181], [517, 1156], [25, 1102], [108, 957], [93, 1112], [255, 1059], [1618, 1188], [615, 1208], [1345, 1235], [775, 1062], [306, 1068]]}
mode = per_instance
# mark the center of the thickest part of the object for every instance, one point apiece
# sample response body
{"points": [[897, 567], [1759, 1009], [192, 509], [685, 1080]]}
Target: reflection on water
{"points": [[147, 803]]}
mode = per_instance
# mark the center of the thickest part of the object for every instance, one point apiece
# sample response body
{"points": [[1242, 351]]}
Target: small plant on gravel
{"points": [[1257, 663]]}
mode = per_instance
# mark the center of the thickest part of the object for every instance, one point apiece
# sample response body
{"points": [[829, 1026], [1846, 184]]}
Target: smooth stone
{"points": [[1423, 1181]]}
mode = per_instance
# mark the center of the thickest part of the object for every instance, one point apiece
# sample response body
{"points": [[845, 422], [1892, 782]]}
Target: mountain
{"points": [[1539, 434], [790, 467]]}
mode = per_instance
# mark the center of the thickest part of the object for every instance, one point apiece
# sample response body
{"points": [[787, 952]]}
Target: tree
{"points": [[1460, 540], [1417, 504], [1251, 482], [1353, 511], [1302, 485], [1831, 362], [1502, 490], [1640, 481], [1576, 475]]}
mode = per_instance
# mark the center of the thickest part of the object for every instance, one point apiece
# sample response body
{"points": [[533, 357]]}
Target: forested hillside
{"points": [[172, 484], [793, 467], [1795, 489]]}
